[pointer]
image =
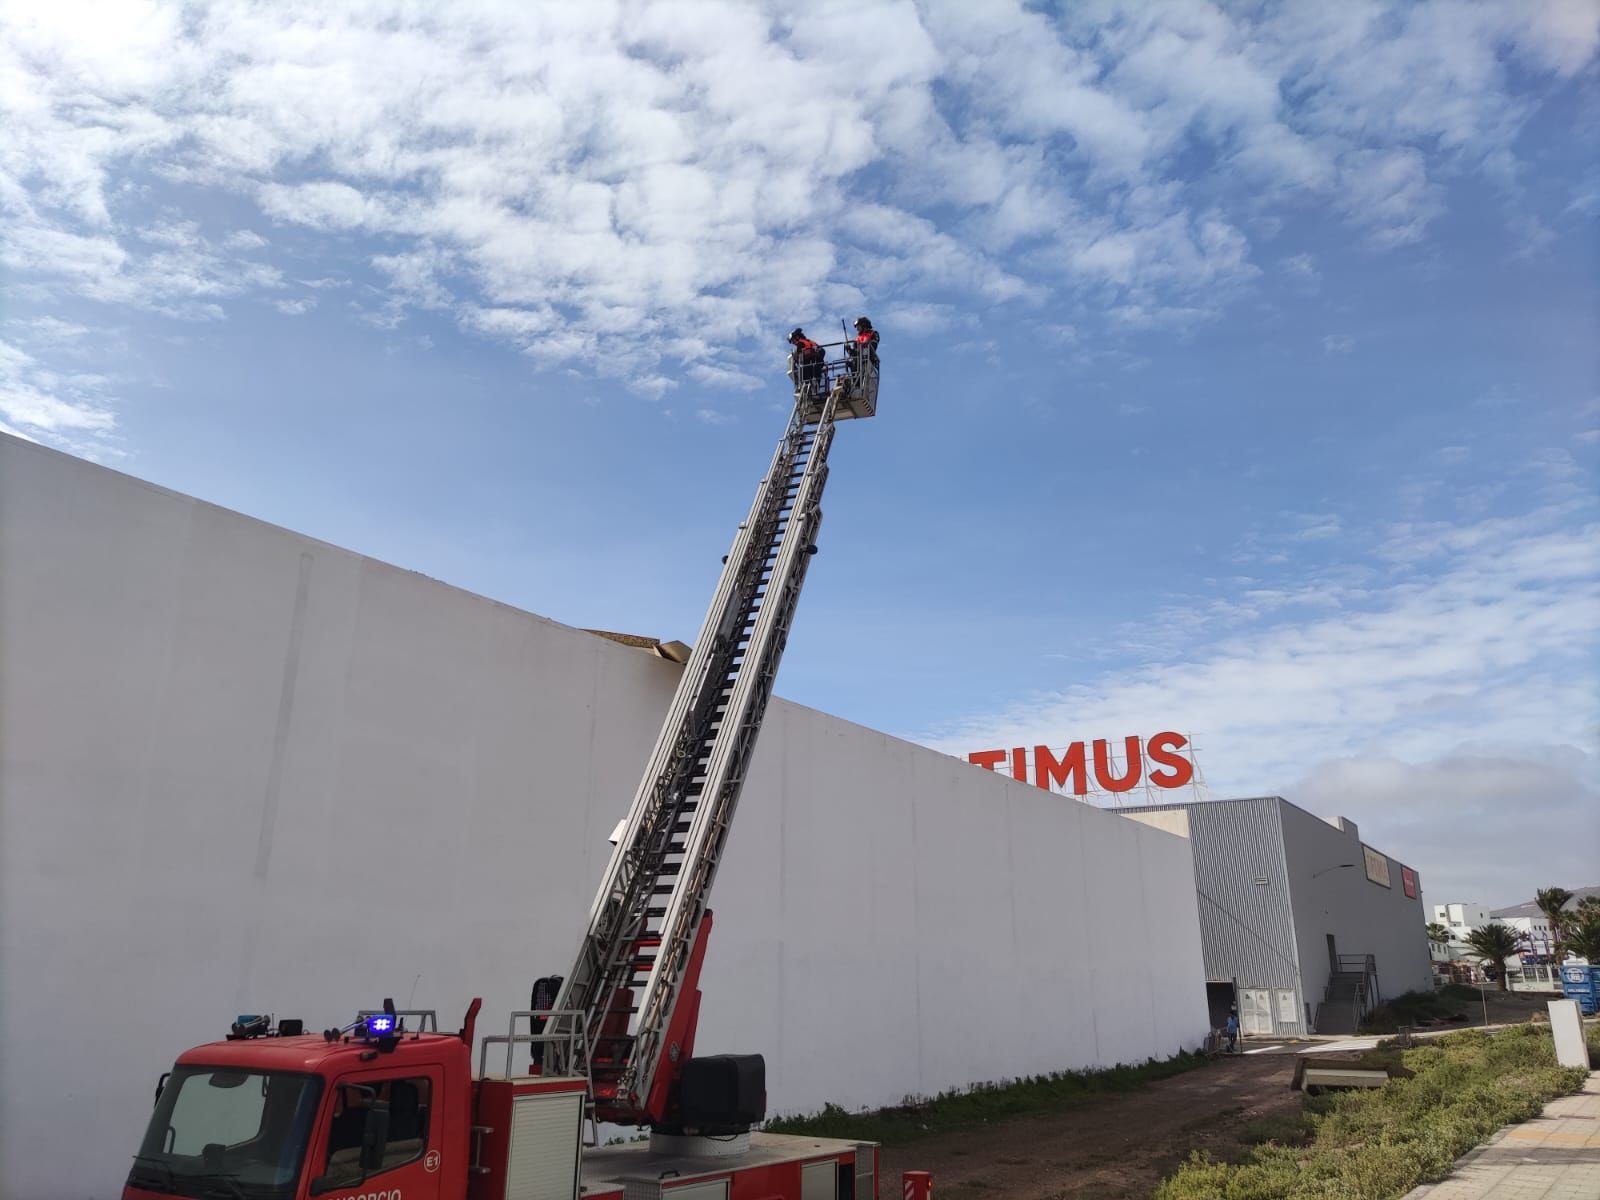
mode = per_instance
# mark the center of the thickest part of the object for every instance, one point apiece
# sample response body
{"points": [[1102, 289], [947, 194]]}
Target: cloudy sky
{"points": [[1240, 359]]}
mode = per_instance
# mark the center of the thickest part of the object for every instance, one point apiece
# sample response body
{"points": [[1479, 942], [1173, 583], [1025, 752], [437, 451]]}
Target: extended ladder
{"points": [[646, 929]]}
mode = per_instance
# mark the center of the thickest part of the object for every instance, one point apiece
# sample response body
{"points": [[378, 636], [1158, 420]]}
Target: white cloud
{"points": [[1315, 527], [53, 331], [638, 173], [68, 410], [723, 377], [1303, 268], [1338, 343], [1490, 824], [322, 205], [1561, 35], [1462, 641], [16, 433]]}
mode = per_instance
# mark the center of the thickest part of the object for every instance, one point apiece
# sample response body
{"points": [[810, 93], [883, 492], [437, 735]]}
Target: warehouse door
{"points": [[1255, 1011]]}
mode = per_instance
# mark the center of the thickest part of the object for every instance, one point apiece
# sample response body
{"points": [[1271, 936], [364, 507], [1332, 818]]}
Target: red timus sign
{"points": [[1167, 768]]}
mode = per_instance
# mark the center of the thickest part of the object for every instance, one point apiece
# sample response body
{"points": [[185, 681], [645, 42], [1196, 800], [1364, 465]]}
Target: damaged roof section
{"points": [[672, 651]]}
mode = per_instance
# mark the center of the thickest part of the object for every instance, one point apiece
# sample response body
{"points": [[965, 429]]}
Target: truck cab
{"points": [[376, 1112], [292, 1117]]}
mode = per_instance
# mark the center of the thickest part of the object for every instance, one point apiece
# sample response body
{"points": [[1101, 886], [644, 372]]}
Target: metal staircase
{"points": [[614, 1019], [1350, 995]]}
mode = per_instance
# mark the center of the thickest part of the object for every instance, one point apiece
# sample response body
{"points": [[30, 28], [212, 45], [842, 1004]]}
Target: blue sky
{"points": [[1240, 370]]}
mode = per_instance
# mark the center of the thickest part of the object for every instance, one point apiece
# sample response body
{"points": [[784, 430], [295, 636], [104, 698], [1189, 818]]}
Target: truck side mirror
{"points": [[375, 1136]]}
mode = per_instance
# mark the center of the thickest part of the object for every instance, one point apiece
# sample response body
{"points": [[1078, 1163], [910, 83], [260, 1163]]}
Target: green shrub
{"points": [[1286, 1129], [1379, 1144], [1415, 1007], [917, 1116]]}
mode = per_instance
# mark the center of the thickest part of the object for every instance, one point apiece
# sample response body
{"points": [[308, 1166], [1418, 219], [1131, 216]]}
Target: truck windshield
{"points": [[227, 1132]]}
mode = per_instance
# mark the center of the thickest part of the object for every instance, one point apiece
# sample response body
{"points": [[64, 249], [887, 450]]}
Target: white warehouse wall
{"points": [[242, 770]]}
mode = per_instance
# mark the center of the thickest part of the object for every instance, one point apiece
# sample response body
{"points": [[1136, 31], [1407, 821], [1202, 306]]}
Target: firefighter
{"points": [[805, 363], [866, 344]]}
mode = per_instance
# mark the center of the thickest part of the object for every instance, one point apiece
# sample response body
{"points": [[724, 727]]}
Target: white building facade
{"points": [[245, 771], [1460, 918], [1533, 970]]}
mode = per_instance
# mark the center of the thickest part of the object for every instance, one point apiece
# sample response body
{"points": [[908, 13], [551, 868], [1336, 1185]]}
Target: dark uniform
{"points": [[865, 348], [805, 366]]}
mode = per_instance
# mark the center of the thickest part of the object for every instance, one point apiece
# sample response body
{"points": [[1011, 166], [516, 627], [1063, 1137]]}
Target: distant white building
{"points": [[1534, 970], [1540, 971], [1453, 960], [1460, 918]]}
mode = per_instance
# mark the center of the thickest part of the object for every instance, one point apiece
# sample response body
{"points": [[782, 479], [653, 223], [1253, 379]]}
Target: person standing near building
{"points": [[1231, 1029]]}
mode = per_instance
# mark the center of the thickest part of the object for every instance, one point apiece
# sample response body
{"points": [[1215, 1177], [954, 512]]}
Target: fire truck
{"points": [[387, 1107]]}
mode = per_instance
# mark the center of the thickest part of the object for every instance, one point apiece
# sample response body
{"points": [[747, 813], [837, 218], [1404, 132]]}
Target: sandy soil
{"points": [[1121, 1147]]}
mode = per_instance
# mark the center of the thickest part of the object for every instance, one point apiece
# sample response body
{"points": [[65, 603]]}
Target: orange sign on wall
{"points": [[1166, 767]]}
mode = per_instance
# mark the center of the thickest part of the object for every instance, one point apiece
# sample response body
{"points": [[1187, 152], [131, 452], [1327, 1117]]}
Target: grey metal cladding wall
{"points": [[1334, 897], [1246, 928]]}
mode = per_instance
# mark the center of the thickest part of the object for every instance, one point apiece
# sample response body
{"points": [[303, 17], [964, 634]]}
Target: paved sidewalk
{"points": [[1555, 1156]]}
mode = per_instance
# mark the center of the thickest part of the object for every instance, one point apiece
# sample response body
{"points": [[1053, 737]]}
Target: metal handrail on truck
{"points": [[568, 1034]]}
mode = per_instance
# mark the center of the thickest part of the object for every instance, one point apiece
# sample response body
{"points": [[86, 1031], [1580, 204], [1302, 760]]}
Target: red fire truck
{"points": [[389, 1108]]}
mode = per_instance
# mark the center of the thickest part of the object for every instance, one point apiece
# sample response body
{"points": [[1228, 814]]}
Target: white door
{"points": [[1255, 1011], [1288, 1010]]}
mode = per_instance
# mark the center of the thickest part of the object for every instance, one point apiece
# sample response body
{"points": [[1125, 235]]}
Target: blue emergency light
{"points": [[380, 1025]]}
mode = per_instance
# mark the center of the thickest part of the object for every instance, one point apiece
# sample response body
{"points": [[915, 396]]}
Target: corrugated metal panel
{"points": [[1246, 923], [545, 1134]]}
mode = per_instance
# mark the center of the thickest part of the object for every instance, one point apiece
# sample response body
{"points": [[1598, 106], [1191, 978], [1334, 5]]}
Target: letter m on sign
{"points": [[1067, 770]]}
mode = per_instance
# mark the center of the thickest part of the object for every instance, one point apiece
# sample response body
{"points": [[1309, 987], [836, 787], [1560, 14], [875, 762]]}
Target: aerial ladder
{"points": [[379, 1108], [625, 1015]]}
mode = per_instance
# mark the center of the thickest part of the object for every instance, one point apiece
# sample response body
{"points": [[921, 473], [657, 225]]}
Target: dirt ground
{"points": [[1121, 1146], [1506, 1007]]}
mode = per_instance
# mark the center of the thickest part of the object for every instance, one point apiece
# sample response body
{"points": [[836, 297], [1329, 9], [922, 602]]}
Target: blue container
{"points": [[1582, 983]]}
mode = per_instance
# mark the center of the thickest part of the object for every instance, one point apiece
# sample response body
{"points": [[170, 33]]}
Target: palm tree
{"points": [[1494, 943], [1438, 933], [1552, 901], [1583, 930]]}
